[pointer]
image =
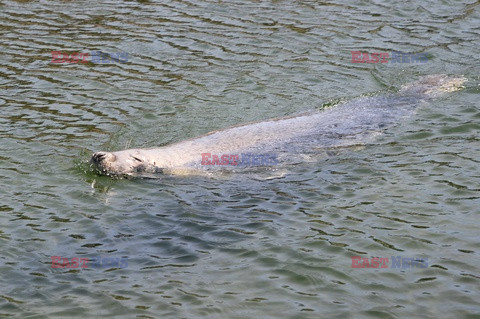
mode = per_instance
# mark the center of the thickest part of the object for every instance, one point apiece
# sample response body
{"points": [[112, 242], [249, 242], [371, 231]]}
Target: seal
{"points": [[352, 123]]}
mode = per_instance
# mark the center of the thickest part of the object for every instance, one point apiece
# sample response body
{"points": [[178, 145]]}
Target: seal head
{"points": [[129, 162]]}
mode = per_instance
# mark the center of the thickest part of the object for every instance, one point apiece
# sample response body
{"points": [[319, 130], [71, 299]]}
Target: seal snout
{"points": [[99, 157]]}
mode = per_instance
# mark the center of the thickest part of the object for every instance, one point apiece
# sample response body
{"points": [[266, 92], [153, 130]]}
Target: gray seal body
{"points": [[351, 123]]}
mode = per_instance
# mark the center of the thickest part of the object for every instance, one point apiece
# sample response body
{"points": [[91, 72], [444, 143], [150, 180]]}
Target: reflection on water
{"points": [[274, 244]]}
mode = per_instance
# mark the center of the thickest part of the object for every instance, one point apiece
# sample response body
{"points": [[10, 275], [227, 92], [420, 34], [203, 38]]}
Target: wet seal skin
{"points": [[349, 124]]}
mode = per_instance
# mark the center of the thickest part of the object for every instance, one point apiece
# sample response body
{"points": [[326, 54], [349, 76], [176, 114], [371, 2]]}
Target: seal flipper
{"points": [[433, 85]]}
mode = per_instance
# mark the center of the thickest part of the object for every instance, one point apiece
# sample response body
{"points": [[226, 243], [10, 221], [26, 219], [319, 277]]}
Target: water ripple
{"points": [[270, 245]]}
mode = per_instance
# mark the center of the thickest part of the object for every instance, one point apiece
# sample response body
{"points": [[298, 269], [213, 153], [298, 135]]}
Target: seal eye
{"points": [[137, 159]]}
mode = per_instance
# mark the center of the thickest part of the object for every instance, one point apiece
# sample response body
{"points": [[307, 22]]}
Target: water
{"points": [[250, 245]]}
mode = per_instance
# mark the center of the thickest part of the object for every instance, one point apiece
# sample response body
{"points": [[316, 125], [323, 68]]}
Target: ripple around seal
{"points": [[246, 245]]}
